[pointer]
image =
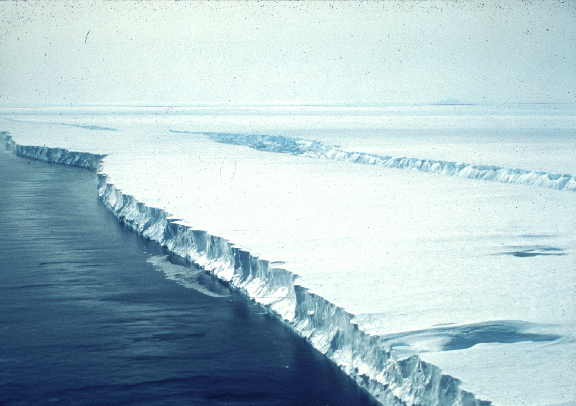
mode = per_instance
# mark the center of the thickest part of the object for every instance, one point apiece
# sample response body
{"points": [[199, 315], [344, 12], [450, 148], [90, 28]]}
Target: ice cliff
{"points": [[316, 149], [330, 329], [85, 160]]}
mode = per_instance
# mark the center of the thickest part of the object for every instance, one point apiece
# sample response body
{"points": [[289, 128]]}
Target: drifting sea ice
{"points": [[476, 277]]}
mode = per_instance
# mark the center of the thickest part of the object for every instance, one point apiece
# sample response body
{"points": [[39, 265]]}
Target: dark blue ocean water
{"points": [[85, 319]]}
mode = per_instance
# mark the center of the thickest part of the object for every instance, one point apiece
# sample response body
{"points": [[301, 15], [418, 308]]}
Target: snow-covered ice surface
{"points": [[475, 277]]}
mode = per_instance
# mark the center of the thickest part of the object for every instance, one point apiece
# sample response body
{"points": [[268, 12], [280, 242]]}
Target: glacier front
{"points": [[426, 289]]}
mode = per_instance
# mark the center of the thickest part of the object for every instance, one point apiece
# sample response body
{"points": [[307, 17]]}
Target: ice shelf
{"points": [[425, 289]]}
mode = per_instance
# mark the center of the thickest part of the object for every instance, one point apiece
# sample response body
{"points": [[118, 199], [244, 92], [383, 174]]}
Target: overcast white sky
{"points": [[163, 53]]}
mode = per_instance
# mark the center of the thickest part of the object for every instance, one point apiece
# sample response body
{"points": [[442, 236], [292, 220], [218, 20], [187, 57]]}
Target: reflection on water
{"points": [[191, 278]]}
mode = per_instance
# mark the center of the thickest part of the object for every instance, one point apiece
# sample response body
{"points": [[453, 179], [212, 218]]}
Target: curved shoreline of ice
{"points": [[317, 149], [329, 328]]}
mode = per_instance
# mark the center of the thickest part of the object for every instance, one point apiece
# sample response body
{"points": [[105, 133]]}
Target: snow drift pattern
{"points": [[327, 327], [316, 149]]}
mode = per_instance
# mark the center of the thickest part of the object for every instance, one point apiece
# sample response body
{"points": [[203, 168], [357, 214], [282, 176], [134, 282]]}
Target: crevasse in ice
{"points": [[318, 149]]}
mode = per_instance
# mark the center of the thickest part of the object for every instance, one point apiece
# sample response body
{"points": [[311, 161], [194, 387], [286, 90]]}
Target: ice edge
{"points": [[327, 327], [316, 149], [86, 160]]}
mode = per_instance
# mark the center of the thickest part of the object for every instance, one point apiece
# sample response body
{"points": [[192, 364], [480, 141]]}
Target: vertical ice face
{"points": [[327, 327], [92, 162]]}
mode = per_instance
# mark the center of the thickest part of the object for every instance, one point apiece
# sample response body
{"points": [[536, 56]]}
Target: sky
{"points": [[385, 52]]}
